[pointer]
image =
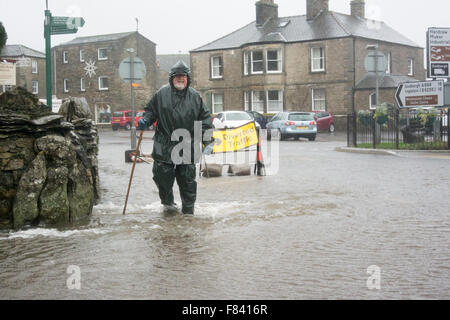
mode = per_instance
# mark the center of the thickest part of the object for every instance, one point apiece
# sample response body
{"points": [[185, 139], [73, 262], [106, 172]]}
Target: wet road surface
{"points": [[308, 231]]}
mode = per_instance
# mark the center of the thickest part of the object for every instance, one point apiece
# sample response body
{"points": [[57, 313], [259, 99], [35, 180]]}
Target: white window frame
{"points": [[321, 59], [98, 54], [252, 61], [34, 66], [65, 57], [279, 61], [410, 66], [99, 84], [246, 63], [82, 53], [214, 103], [246, 100], [66, 85], [372, 106], [279, 101], [82, 84], [35, 87], [314, 99], [257, 101], [218, 68], [389, 62]]}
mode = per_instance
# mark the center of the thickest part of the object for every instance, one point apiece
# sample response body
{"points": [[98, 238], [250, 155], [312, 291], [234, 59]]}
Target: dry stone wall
{"points": [[48, 162]]}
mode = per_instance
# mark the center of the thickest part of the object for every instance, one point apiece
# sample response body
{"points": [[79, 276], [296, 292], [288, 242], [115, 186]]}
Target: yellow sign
{"points": [[230, 140]]}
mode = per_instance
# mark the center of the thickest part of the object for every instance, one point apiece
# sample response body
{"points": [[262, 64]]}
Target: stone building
{"points": [[30, 68], [307, 62], [89, 67]]}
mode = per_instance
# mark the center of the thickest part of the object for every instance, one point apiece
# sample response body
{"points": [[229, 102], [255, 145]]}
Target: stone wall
{"points": [[48, 168]]}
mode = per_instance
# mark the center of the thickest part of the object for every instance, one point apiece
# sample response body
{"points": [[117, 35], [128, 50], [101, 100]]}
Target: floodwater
{"points": [[310, 230]]}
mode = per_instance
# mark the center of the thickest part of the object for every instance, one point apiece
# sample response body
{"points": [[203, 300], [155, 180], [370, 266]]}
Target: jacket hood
{"points": [[180, 68]]}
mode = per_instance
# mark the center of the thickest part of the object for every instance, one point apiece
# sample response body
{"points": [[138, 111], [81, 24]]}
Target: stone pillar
{"points": [[358, 8], [313, 8], [265, 10]]}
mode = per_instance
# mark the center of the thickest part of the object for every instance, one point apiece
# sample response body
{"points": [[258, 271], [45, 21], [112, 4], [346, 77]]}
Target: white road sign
{"points": [[420, 94], [377, 62], [438, 46], [7, 74]]}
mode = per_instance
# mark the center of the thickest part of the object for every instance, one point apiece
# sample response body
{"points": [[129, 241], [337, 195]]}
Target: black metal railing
{"points": [[398, 129]]}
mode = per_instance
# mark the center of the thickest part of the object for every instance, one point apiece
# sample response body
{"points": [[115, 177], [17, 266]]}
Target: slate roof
{"points": [[328, 25], [386, 81], [18, 50], [167, 61], [99, 38]]}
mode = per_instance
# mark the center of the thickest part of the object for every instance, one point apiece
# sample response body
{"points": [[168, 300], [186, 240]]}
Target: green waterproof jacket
{"points": [[175, 109]]}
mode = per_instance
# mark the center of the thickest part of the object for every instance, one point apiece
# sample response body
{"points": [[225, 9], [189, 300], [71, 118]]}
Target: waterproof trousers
{"points": [[164, 175]]}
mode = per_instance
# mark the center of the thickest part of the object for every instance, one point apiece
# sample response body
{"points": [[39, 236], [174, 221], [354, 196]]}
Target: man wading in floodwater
{"points": [[176, 106]]}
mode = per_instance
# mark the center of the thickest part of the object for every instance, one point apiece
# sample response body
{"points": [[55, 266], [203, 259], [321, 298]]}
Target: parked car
{"points": [[232, 119], [262, 120], [122, 119], [293, 125], [325, 121]]}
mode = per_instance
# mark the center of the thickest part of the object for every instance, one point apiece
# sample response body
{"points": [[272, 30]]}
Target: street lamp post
{"points": [[374, 47], [133, 127]]}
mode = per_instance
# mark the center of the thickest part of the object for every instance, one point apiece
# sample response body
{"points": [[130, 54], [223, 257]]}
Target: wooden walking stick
{"points": [[132, 170]]}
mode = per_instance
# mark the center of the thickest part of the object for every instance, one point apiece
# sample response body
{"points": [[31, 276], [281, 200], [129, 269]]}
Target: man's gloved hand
{"points": [[143, 124], [208, 149]]}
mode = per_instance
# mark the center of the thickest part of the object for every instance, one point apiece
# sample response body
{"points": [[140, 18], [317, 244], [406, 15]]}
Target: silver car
{"points": [[293, 125]]}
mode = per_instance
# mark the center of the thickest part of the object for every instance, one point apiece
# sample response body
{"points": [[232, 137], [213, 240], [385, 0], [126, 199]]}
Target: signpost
{"points": [[438, 52], [132, 70], [53, 26], [375, 62], [420, 94]]}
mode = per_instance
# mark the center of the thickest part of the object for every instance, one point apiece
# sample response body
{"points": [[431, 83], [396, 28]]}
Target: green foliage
{"points": [[381, 114], [365, 117], [437, 145], [3, 36]]}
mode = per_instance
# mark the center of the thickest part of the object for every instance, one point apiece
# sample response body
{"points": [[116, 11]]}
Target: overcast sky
{"points": [[182, 25]]}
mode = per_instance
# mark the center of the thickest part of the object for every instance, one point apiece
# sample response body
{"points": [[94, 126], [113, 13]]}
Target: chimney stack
{"points": [[358, 8], [313, 8], [265, 9]]}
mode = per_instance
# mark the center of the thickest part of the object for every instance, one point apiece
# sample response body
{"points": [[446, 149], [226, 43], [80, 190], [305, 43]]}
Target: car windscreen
{"points": [[238, 116], [139, 114], [117, 114], [301, 117]]}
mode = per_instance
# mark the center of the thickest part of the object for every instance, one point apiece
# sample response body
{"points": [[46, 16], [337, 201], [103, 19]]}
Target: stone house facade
{"points": [[30, 68], [89, 67], [299, 63]]}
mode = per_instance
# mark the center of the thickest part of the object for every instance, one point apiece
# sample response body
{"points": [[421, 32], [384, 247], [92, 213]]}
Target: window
{"points": [[216, 67], [373, 101], [7, 88], [257, 63], [66, 85], [410, 67], [274, 61], [102, 83], [82, 54], [245, 63], [317, 59], [34, 87], [82, 85], [65, 57], [258, 101], [274, 101], [318, 100], [217, 102], [246, 101], [389, 63], [34, 66], [102, 54]]}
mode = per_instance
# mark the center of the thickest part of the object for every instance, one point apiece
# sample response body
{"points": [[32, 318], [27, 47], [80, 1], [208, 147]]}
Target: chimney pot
{"points": [[358, 8], [314, 7], [265, 10]]}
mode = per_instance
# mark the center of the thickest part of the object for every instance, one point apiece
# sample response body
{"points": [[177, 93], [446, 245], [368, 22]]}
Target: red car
{"points": [[325, 121], [122, 119]]}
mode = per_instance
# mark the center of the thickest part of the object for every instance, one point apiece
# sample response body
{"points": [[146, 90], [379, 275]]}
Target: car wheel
{"points": [[115, 128], [282, 137], [312, 138], [332, 128], [269, 135], [128, 126]]}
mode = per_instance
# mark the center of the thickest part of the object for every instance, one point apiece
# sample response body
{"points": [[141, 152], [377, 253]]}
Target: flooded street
{"points": [[311, 231]]}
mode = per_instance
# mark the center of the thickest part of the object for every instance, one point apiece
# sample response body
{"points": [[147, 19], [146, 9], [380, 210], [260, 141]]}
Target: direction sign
{"points": [[438, 53], [420, 94], [139, 70], [66, 25], [371, 64]]}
